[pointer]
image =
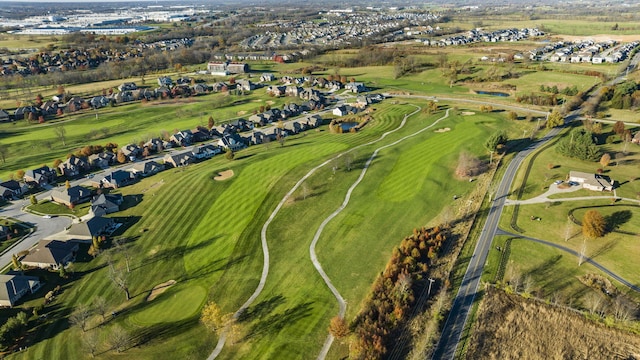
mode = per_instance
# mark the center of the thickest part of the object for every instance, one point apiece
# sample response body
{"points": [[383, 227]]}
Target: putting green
{"points": [[173, 305]]}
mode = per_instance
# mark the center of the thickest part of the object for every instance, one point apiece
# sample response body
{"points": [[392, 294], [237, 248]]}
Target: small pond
{"points": [[492, 93], [346, 126]]}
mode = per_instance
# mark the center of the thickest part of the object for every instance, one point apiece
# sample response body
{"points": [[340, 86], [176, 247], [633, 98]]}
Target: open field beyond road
{"points": [[535, 330]]}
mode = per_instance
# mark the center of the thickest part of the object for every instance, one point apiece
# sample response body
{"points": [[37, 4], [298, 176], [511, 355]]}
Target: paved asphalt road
{"points": [[43, 228], [466, 294]]}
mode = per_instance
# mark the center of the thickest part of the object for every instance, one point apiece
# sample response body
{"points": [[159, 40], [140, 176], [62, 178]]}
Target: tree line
{"points": [[393, 294]]}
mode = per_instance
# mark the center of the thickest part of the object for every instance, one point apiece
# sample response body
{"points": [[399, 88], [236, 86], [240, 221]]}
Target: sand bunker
{"points": [[223, 175], [467, 113], [159, 289], [442, 130]]}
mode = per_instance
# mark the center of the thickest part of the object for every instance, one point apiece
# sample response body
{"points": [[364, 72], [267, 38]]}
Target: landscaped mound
{"points": [[224, 175], [512, 327]]}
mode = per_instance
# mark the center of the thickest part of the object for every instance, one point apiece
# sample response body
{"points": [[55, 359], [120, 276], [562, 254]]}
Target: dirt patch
{"points": [[442, 130], [543, 332], [467, 113], [241, 112], [223, 175], [159, 289]]}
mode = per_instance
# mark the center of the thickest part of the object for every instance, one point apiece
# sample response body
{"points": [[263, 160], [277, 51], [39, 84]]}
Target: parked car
{"points": [[558, 182]]}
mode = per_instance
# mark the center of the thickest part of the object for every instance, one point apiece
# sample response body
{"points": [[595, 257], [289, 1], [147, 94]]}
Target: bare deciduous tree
{"points": [[120, 279], [80, 316], [593, 302], [567, 230], [90, 342], [61, 133], [622, 309], [583, 253], [100, 305], [119, 338]]}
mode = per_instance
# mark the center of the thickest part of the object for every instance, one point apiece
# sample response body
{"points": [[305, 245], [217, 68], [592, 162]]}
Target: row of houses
{"points": [[480, 35], [128, 92]]}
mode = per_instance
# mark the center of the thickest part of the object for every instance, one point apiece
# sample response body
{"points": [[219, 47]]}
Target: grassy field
{"points": [[543, 331], [208, 239]]}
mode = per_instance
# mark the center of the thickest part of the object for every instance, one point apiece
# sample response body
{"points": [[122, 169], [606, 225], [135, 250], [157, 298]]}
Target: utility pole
{"points": [[430, 283]]}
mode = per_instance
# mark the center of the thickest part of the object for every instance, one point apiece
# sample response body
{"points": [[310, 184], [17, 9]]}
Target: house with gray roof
{"points": [[73, 166], [104, 204], [182, 159], [13, 287], [146, 168], [51, 254], [12, 189], [96, 226], [71, 196], [591, 181], [115, 179], [41, 176]]}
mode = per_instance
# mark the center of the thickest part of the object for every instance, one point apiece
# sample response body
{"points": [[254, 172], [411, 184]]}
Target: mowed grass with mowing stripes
{"points": [[200, 232]]}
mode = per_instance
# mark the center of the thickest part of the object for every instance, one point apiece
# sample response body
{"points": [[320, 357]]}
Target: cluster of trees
{"points": [[570, 91], [538, 99], [554, 119], [625, 95], [580, 143], [392, 294], [13, 329]]}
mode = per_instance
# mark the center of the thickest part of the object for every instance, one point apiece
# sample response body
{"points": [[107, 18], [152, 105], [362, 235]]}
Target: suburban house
{"points": [[267, 77], [105, 204], [71, 196], [11, 189], [50, 254], [165, 82], [13, 287], [232, 141], [156, 144], [355, 87], [256, 137], [73, 166], [115, 179], [205, 151], [86, 230], [246, 85], [182, 138], [26, 112], [49, 108], [636, 138], [176, 160], [591, 181], [40, 176], [4, 116], [97, 102], [127, 86], [101, 160], [76, 103], [146, 168], [200, 134], [340, 111], [131, 151]]}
